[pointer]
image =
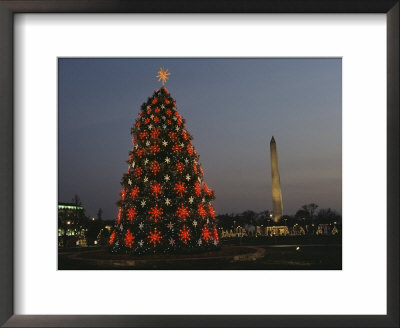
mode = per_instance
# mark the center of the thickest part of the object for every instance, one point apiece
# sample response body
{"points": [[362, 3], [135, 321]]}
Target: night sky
{"points": [[232, 108]]}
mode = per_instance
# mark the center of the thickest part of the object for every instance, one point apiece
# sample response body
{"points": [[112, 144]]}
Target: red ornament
{"points": [[211, 211], [189, 149], [215, 234], [167, 101], [155, 213], [149, 111], [154, 237], [138, 171], [123, 194], [176, 148], [131, 213], [169, 112], [154, 149], [207, 190], [137, 124], [157, 110], [155, 133], [184, 234], [182, 212], [185, 135], [155, 167], [172, 135], [195, 168], [202, 211], [197, 189], [143, 135], [180, 188], [156, 119], [178, 116], [112, 238], [206, 233], [180, 167], [147, 121], [169, 122], [134, 192], [119, 216], [154, 101], [140, 152], [156, 189], [129, 239]]}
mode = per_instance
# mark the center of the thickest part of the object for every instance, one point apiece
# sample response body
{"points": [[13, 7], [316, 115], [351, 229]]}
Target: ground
{"points": [[278, 253]]}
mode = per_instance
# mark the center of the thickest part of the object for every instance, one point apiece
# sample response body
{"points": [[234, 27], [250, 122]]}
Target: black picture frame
{"points": [[10, 7]]}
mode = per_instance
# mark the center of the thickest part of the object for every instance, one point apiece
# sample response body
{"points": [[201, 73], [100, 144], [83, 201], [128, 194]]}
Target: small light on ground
{"points": [[297, 248]]}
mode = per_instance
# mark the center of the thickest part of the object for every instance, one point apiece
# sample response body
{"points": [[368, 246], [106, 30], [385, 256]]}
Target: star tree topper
{"points": [[163, 75]]}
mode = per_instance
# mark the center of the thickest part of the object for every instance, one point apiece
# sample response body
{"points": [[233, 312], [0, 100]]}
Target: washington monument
{"points": [[276, 183]]}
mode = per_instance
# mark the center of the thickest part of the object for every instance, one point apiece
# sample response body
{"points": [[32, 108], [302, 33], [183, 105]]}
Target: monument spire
{"points": [[276, 183]]}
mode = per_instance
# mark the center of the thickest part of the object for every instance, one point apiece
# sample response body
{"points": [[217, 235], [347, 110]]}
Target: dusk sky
{"points": [[232, 109]]}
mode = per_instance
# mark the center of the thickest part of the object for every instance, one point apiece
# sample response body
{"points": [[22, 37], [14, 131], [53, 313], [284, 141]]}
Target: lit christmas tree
{"points": [[165, 206]]}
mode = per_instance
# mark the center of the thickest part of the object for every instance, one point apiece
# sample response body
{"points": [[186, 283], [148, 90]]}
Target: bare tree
{"points": [[76, 201], [310, 208]]}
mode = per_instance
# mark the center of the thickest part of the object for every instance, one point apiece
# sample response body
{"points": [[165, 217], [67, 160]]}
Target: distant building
{"points": [[71, 231], [69, 210]]}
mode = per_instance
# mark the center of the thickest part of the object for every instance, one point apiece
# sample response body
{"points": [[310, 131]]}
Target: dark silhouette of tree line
{"points": [[307, 216]]}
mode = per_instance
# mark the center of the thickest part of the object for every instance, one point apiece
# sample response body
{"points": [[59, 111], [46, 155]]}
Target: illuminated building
{"points": [[71, 230]]}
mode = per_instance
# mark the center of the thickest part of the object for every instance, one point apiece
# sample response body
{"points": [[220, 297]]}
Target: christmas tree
{"points": [[165, 206]]}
